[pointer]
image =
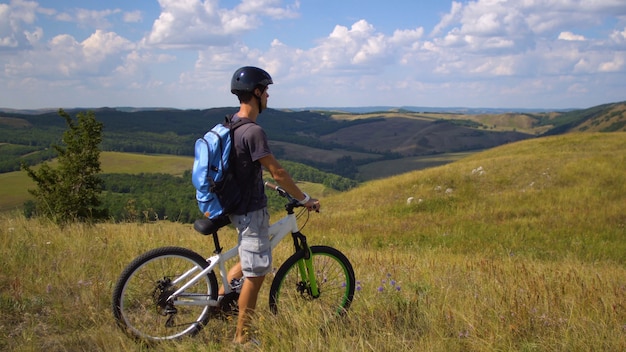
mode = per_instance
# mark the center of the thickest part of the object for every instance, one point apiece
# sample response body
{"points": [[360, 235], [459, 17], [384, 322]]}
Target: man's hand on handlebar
{"points": [[313, 205]]}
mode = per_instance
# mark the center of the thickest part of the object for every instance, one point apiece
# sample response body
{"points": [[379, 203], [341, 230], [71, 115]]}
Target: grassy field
{"points": [[14, 185], [113, 162], [14, 189], [518, 248], [496, 122], [293, 151], [388, 168]]}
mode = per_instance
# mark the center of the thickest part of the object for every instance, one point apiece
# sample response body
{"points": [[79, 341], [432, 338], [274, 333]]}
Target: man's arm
{"points": [[284, 180]]}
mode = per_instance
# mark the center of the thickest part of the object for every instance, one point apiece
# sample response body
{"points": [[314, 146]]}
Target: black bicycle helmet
{"points": [[247, 78]]}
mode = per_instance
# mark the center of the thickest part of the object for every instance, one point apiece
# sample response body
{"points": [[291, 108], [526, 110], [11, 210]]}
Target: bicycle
{"points": [[171, 292]]}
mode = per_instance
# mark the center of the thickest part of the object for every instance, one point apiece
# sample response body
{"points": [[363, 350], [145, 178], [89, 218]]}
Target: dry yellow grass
{"points": [[526, 256]]}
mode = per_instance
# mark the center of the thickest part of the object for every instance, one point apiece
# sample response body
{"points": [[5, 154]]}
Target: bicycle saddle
{"points": [[210, 226]]}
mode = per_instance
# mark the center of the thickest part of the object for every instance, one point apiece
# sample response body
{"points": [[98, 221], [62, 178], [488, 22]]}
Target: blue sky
{"points": [[325, 53]]}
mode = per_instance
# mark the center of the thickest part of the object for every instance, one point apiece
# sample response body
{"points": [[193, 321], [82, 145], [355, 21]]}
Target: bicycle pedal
{"points": [[169, 311], [229, 304], [170, 322]]}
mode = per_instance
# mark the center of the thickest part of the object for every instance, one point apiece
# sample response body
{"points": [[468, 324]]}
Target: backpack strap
{"points": [[228, 121]]}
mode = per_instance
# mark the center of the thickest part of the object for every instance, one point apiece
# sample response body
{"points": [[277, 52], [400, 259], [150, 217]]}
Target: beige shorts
{"points": [[255, 251]]}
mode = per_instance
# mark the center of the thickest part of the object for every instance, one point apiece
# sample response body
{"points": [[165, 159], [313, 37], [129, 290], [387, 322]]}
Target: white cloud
{"points": [[34, 36], [616, 64], [403, 37], [63, 57], [571, 36], [95, 19], [270, 8], [485, 24], [133, 17], [188, 23], [496, 67], [64, 17], [214, 66], [360, 49], [494, 50], [13, 18], [619, 36], [22, 12], [102, 45], [448, 19], [200, 23], [480, 40]]}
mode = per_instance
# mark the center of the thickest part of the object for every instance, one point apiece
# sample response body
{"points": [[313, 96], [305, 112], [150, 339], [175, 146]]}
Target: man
{"points": [[250, 85]]}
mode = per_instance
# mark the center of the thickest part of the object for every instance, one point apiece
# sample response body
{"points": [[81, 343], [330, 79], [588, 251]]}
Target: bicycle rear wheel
{"points": [[140, 297], [335, 280]]}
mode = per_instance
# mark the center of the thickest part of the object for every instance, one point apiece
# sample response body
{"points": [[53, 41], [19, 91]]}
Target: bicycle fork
{"points": [[305, 265]]}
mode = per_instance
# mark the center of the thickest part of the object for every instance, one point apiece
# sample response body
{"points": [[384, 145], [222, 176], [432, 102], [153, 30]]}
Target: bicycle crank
{"points": [[160, 295]]}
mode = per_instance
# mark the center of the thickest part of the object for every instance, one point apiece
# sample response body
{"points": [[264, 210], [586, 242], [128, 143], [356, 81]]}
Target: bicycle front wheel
{"points": [[335, 281], [140, 298]]}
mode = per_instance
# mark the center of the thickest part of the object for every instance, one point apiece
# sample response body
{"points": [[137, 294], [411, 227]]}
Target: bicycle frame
{"points": [[277, 232]]}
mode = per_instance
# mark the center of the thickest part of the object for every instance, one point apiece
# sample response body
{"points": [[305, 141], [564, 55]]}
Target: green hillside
{"points": [[601, 118], [564, 193], [517, 248], [348, 144]]}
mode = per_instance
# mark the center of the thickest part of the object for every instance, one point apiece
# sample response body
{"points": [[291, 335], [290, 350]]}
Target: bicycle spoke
{"points": [[335, 280], [141, 302]]}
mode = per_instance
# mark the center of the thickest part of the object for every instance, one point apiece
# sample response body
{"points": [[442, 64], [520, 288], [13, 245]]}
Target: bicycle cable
{"points": [[299, 215]]}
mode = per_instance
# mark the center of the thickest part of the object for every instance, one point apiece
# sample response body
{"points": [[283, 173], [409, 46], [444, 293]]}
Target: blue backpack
{"points": [[217, 191]]}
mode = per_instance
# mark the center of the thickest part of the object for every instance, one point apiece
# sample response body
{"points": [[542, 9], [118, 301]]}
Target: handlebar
{"points": [[277, 188], [293, 203]]}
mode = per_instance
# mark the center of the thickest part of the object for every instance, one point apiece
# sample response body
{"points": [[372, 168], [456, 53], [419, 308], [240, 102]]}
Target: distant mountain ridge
{"points": [[347, 109], [454, 110]]}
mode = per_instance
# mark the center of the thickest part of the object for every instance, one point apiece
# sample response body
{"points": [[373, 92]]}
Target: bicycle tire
{"points": [[335, 279], [140, 305]]}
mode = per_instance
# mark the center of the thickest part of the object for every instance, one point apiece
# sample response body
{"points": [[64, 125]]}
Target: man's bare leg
{"points": [[247, 304], [234, 273]]}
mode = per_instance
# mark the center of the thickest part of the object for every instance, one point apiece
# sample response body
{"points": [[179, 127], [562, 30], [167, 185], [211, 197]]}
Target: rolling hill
{"points": [[319, 139], [516, 248], [361, 146]]}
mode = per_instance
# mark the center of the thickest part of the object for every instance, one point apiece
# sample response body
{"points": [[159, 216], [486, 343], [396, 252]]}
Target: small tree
{"points": [[71, 191]]}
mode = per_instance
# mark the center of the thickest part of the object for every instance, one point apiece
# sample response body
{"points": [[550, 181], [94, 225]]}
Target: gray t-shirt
{"points": [[250, 145]]}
